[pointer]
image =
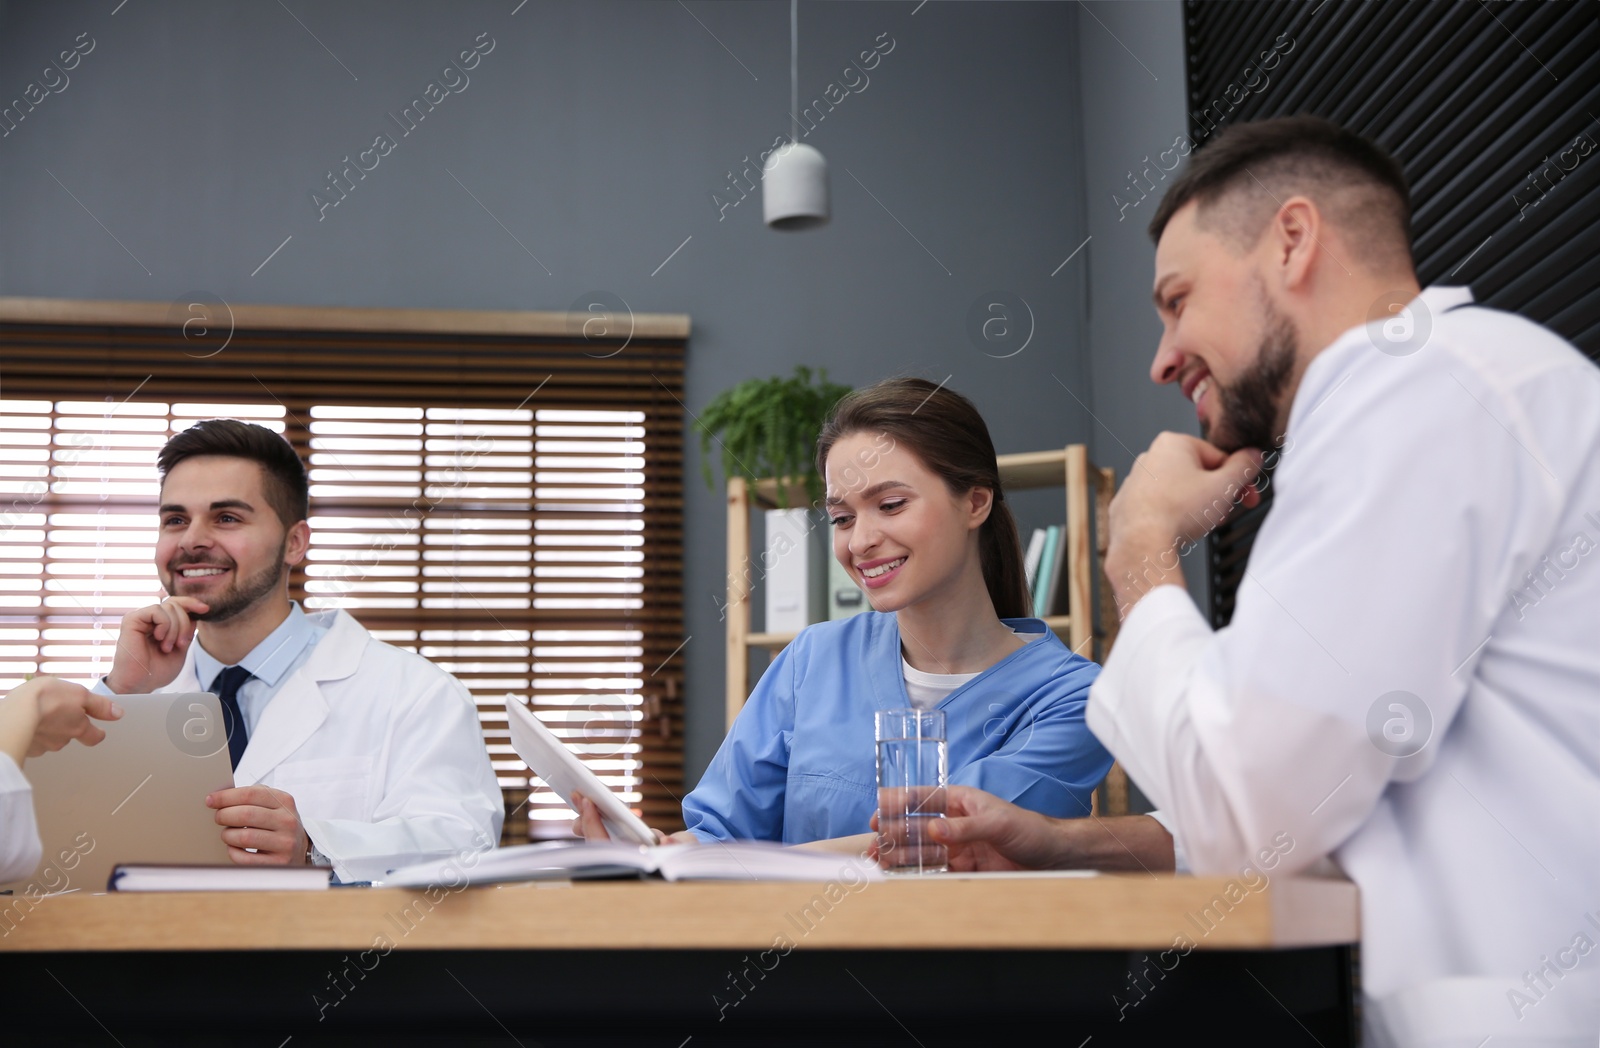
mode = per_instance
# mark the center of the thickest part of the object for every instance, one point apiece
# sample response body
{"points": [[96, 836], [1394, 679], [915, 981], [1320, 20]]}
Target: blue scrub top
{"points": [[800, 762]]}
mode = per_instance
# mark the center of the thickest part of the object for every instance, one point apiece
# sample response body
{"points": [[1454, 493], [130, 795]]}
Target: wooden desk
{"points": [[772, 961]]}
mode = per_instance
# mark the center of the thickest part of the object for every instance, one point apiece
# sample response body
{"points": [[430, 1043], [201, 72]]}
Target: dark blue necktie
{"points": [[227, 686]]}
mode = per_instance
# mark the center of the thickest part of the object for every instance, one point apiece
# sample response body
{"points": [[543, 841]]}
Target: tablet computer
{"points": [[564, 773], [137, 797]]}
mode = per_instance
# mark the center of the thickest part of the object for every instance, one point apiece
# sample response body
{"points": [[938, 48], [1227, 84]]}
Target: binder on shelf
{"points": [[792, 572]]}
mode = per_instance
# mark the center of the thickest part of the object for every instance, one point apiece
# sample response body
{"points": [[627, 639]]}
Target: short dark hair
{"points": [[1355, 181], [287, 489]]}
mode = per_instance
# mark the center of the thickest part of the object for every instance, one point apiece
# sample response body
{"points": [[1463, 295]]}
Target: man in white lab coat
{"points": [[1410, 684], [346, 750]]}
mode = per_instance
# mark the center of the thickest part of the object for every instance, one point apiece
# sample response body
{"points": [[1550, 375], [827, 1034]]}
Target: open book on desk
{"points": [[580, 860]]}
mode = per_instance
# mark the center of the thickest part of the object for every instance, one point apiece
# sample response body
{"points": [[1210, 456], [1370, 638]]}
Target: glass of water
{"points": [[912, 776]]}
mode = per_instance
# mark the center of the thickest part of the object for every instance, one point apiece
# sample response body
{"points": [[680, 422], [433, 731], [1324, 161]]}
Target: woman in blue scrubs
{"points": [[921, 524]]}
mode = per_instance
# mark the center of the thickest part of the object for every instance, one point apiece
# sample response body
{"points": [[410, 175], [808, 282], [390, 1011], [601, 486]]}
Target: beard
{"points": [[1250, 403], [241, 594]]}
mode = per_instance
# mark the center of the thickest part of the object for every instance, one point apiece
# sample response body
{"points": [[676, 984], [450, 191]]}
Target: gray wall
{"points": [[1133, 110], [597, 132], [1132, 79]]}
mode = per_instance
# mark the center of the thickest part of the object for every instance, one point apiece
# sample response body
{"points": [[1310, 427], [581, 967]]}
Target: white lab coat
{"points": [[381, 750], [1416, 495]]}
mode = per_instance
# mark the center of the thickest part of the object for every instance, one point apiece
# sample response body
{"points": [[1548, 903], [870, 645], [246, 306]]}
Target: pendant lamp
{"points": [[794, 180]]}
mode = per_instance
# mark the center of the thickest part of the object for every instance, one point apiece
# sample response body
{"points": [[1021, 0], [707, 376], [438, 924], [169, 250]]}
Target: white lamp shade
{"points": [[794, 188]]}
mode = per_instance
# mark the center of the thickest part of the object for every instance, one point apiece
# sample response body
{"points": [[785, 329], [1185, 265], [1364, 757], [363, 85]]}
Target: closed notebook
{"points": [[138, 877], [580, 860]]}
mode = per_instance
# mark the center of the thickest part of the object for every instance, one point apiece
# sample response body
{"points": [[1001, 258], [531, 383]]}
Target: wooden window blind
{"points": [[509, 506]]}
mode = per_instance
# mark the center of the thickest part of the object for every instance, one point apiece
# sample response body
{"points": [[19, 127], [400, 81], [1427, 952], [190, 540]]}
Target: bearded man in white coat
{"points": [[347, 751], [1410, 684]]}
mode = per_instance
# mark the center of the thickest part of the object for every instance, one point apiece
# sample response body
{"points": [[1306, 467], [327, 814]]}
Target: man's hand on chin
{"points": [[263, 819], [1176, 493], [153, 644]]}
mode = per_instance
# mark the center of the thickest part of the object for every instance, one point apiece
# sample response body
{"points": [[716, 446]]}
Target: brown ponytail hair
{"points": [[944, 430]]}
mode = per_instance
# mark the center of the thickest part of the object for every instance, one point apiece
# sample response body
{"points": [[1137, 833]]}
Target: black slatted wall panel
{"points": [[1492, 107]]}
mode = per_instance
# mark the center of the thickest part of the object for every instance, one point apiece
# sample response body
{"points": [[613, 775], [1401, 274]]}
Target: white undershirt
{"points": [[927, 690]]}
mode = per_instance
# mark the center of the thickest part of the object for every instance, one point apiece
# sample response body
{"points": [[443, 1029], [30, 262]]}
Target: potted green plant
{"points": [[767, 427]]}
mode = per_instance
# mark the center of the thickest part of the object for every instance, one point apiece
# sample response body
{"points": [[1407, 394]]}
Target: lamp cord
{"points": [[794, 67]]}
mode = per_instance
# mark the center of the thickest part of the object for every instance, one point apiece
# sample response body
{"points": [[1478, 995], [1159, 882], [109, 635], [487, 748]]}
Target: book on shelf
{"points": [[1047, 559], [150, 877], [1030, 560], [592, 860], [1056, 596]]}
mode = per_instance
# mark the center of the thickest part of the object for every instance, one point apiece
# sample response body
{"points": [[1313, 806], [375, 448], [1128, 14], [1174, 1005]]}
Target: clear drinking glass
{"points": [[912, 776]]}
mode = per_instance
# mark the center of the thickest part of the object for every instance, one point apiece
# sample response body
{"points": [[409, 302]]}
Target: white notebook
{"points": [[564, 773], [147, 878]]}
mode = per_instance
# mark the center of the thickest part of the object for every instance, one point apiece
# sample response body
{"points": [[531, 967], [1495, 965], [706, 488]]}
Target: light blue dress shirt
{"points": [[271, 663]]}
